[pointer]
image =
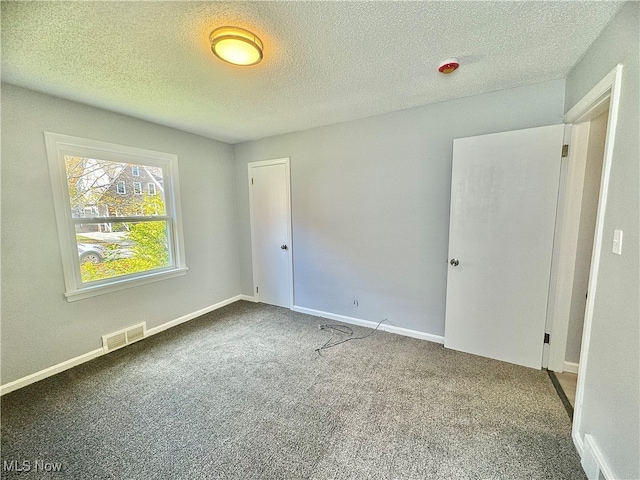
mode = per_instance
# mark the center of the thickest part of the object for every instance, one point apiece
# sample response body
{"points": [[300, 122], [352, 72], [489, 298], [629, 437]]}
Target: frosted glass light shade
{"points": [[236, 45]]}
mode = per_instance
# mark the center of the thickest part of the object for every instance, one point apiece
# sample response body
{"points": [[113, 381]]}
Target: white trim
{"points": [[577, 441], [59, 145], [571, 367], [595, 101], [265, 163], [590, 105], [72, 362], [48, 372], [594, 454], [371, 324], [122, 284], [247, 298], [191, 316]]}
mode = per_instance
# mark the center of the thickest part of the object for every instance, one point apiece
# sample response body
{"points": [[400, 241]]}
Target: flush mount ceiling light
{"points": [[236, 45], [449, 65]]}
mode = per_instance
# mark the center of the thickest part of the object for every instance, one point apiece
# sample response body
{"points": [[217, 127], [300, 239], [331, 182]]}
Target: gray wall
{"points": [[370, 201], [39, 327], [611, 382]]}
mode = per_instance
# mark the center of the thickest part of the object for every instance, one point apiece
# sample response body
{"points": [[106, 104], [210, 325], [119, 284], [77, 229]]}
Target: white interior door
{"points": [[503, 205], [269, 193]]}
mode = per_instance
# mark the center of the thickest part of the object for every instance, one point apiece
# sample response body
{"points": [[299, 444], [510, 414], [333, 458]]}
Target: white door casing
{"points": [[605, 95], [270, 211], [503, 206]]}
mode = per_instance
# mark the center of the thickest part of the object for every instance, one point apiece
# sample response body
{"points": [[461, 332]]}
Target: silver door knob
{"points": [[454, 262], [283, 247]]}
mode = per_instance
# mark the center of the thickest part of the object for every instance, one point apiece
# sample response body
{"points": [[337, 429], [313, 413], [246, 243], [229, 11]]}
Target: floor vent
{"points": [[121, 338]]}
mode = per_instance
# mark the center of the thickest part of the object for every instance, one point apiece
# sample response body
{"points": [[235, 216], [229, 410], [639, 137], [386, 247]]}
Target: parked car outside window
{"points": [[91, 253]]}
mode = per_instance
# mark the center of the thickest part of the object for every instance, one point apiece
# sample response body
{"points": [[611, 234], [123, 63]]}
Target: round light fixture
{"points": [[236, 45], [449, 65]]}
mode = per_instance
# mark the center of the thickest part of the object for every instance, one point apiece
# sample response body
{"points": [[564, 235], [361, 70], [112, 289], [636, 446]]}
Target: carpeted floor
{"points": [[241, 393]]}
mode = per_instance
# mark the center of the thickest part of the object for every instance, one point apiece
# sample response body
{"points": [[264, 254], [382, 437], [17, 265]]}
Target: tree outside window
{"points": [[121, 233]]}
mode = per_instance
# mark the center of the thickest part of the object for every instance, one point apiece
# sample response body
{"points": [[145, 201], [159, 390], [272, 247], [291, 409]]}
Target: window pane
{"points": [[108, 250], [108, 188]]}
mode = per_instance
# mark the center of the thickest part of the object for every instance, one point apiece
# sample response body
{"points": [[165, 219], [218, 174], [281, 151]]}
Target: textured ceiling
{"points": [[325, 62]]}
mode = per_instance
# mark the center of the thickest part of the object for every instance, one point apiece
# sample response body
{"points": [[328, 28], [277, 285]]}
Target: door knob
{"points": [[454, 262], [283, 247]]}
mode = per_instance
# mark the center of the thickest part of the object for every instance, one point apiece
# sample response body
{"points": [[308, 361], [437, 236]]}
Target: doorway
{"points": [[584, 247], [270, 211], [603, 97]]}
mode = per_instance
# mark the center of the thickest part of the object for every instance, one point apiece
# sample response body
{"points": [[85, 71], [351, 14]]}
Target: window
{"points": [[111, 239], [135, 171], [151, 188]]}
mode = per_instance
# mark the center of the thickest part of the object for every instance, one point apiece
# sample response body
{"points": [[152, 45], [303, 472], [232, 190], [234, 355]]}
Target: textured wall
{"points": [[611, 382], [39, 327], [370, 201]]}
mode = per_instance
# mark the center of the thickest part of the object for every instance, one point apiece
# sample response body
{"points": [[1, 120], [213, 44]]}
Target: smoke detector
{"points": [[449, 65]]}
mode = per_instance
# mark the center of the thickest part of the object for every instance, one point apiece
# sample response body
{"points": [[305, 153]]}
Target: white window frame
{"points": [[58, 146], [124, 188], [139, 189], [135, 171], [149, 188]]}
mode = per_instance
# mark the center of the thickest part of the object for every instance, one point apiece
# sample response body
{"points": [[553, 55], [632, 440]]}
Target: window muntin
{"points": [[113, 237]]}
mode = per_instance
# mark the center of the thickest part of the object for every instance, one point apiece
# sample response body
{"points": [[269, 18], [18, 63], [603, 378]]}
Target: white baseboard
{"points": [[571, 367], [367, 323], [61, 367], [593, 461], [191, 316], [50, 371], [248, 298]]}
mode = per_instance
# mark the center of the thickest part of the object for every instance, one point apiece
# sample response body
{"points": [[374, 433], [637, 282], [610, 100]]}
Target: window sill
{"points": [[117, 285]]}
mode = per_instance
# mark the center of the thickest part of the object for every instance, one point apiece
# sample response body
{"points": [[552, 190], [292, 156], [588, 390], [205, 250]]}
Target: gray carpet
{"points": [[240, 393]]}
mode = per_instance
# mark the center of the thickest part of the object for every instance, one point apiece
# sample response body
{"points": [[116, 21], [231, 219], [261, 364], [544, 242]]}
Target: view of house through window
{"points": [[121, 227]]}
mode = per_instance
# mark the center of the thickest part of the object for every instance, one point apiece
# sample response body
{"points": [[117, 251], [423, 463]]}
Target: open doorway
{"points": [[587, 113], [597, 131]]}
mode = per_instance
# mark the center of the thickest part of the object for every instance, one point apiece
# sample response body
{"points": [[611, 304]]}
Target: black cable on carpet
{"points": [[345, 330]]}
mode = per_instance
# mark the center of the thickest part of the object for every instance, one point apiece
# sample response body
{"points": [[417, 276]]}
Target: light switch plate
{"points": [[617, 242]]}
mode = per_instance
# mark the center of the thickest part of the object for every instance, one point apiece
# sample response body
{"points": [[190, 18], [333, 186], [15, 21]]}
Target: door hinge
{"points": [[252, 181], [546, 338], [565, 151], [256, 289]]}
